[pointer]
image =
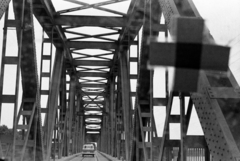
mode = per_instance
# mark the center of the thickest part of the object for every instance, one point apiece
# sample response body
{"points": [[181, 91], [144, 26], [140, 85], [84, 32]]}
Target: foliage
{"points": [[5, 131]]}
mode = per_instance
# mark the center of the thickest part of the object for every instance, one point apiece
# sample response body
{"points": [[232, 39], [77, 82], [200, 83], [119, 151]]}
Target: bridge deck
{"points": [[99, 156]]}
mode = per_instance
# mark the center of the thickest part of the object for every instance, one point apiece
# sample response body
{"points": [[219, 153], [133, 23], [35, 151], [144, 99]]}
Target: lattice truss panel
{"points": [[220, 138], [99, 6], [3, 6], [92, 73], [30, 108], [89, 62], [217, 101], [94, 60]]}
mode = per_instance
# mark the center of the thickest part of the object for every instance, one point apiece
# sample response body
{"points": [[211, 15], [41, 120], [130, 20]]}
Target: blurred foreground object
{"points": [[188, 54]]}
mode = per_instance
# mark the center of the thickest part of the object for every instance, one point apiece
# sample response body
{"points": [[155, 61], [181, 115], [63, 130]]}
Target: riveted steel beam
{"points": [[91, 45], [92, 74], [91, 63], [73, 21]]}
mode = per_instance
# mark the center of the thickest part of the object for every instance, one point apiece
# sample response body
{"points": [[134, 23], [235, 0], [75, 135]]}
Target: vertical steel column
{"points": [[55, 136], [84, 135], [75, 118], [53, 98], [3, 9], [74, 137], [71, 110], [125, 86], [136, 117], [15, 60], [31, 98], [183, 127], [66, 130], [165, 136], [115, 119], [112, 114], [63, 112], [144, 98], [103, 135], [78, 122], [151, 121], [4, 46], [81, 125], [150, 132], [108, 127], [45, 57], [119, 118], [137, 133]]}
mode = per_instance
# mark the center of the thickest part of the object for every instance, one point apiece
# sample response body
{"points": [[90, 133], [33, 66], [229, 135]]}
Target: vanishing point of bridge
{"points": [[78, 91]]}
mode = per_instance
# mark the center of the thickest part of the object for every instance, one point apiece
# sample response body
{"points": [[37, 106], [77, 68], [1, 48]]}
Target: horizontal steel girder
{"points": [[91, 63], [94, 93], [94, 102], [91, 45], [92, 74], [93, 109], [93, 130], [93, 116], [93, 123], [72, 21], [93, 85]]}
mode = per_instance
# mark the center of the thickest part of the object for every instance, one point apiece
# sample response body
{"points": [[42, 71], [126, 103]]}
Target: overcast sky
{"points": [[223, 19]]}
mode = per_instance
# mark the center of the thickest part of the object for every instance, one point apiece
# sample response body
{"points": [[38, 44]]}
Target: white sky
{"points": [[222, 18]]}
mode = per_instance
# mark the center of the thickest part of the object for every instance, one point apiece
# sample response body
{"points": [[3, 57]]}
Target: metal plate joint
{"points": [[223, 92]]}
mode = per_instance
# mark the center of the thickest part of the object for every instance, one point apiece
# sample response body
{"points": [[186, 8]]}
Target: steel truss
{"points": [[127, 132]]}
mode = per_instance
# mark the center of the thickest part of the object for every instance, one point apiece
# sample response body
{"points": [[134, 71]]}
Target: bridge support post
{"points": [[53, 99], [119, 125], [63, 113], [125, 87], [71, 109], [112, 114]]}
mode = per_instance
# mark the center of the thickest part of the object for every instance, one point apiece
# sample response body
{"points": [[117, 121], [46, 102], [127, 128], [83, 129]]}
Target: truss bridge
{"points": [[140, 80]]}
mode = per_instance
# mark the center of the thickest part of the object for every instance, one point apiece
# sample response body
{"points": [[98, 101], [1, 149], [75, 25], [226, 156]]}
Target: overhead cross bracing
{"points": [[86, 93], [91, 68]]}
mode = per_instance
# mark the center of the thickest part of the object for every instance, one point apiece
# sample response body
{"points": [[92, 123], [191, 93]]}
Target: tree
{"points": [[4, 130]]}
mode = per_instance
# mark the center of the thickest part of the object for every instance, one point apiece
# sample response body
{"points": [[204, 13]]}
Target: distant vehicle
{"points": [[88, 149]]}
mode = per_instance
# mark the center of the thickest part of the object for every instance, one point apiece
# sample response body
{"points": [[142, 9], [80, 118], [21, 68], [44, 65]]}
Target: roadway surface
{"points": [[99, 156]]}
